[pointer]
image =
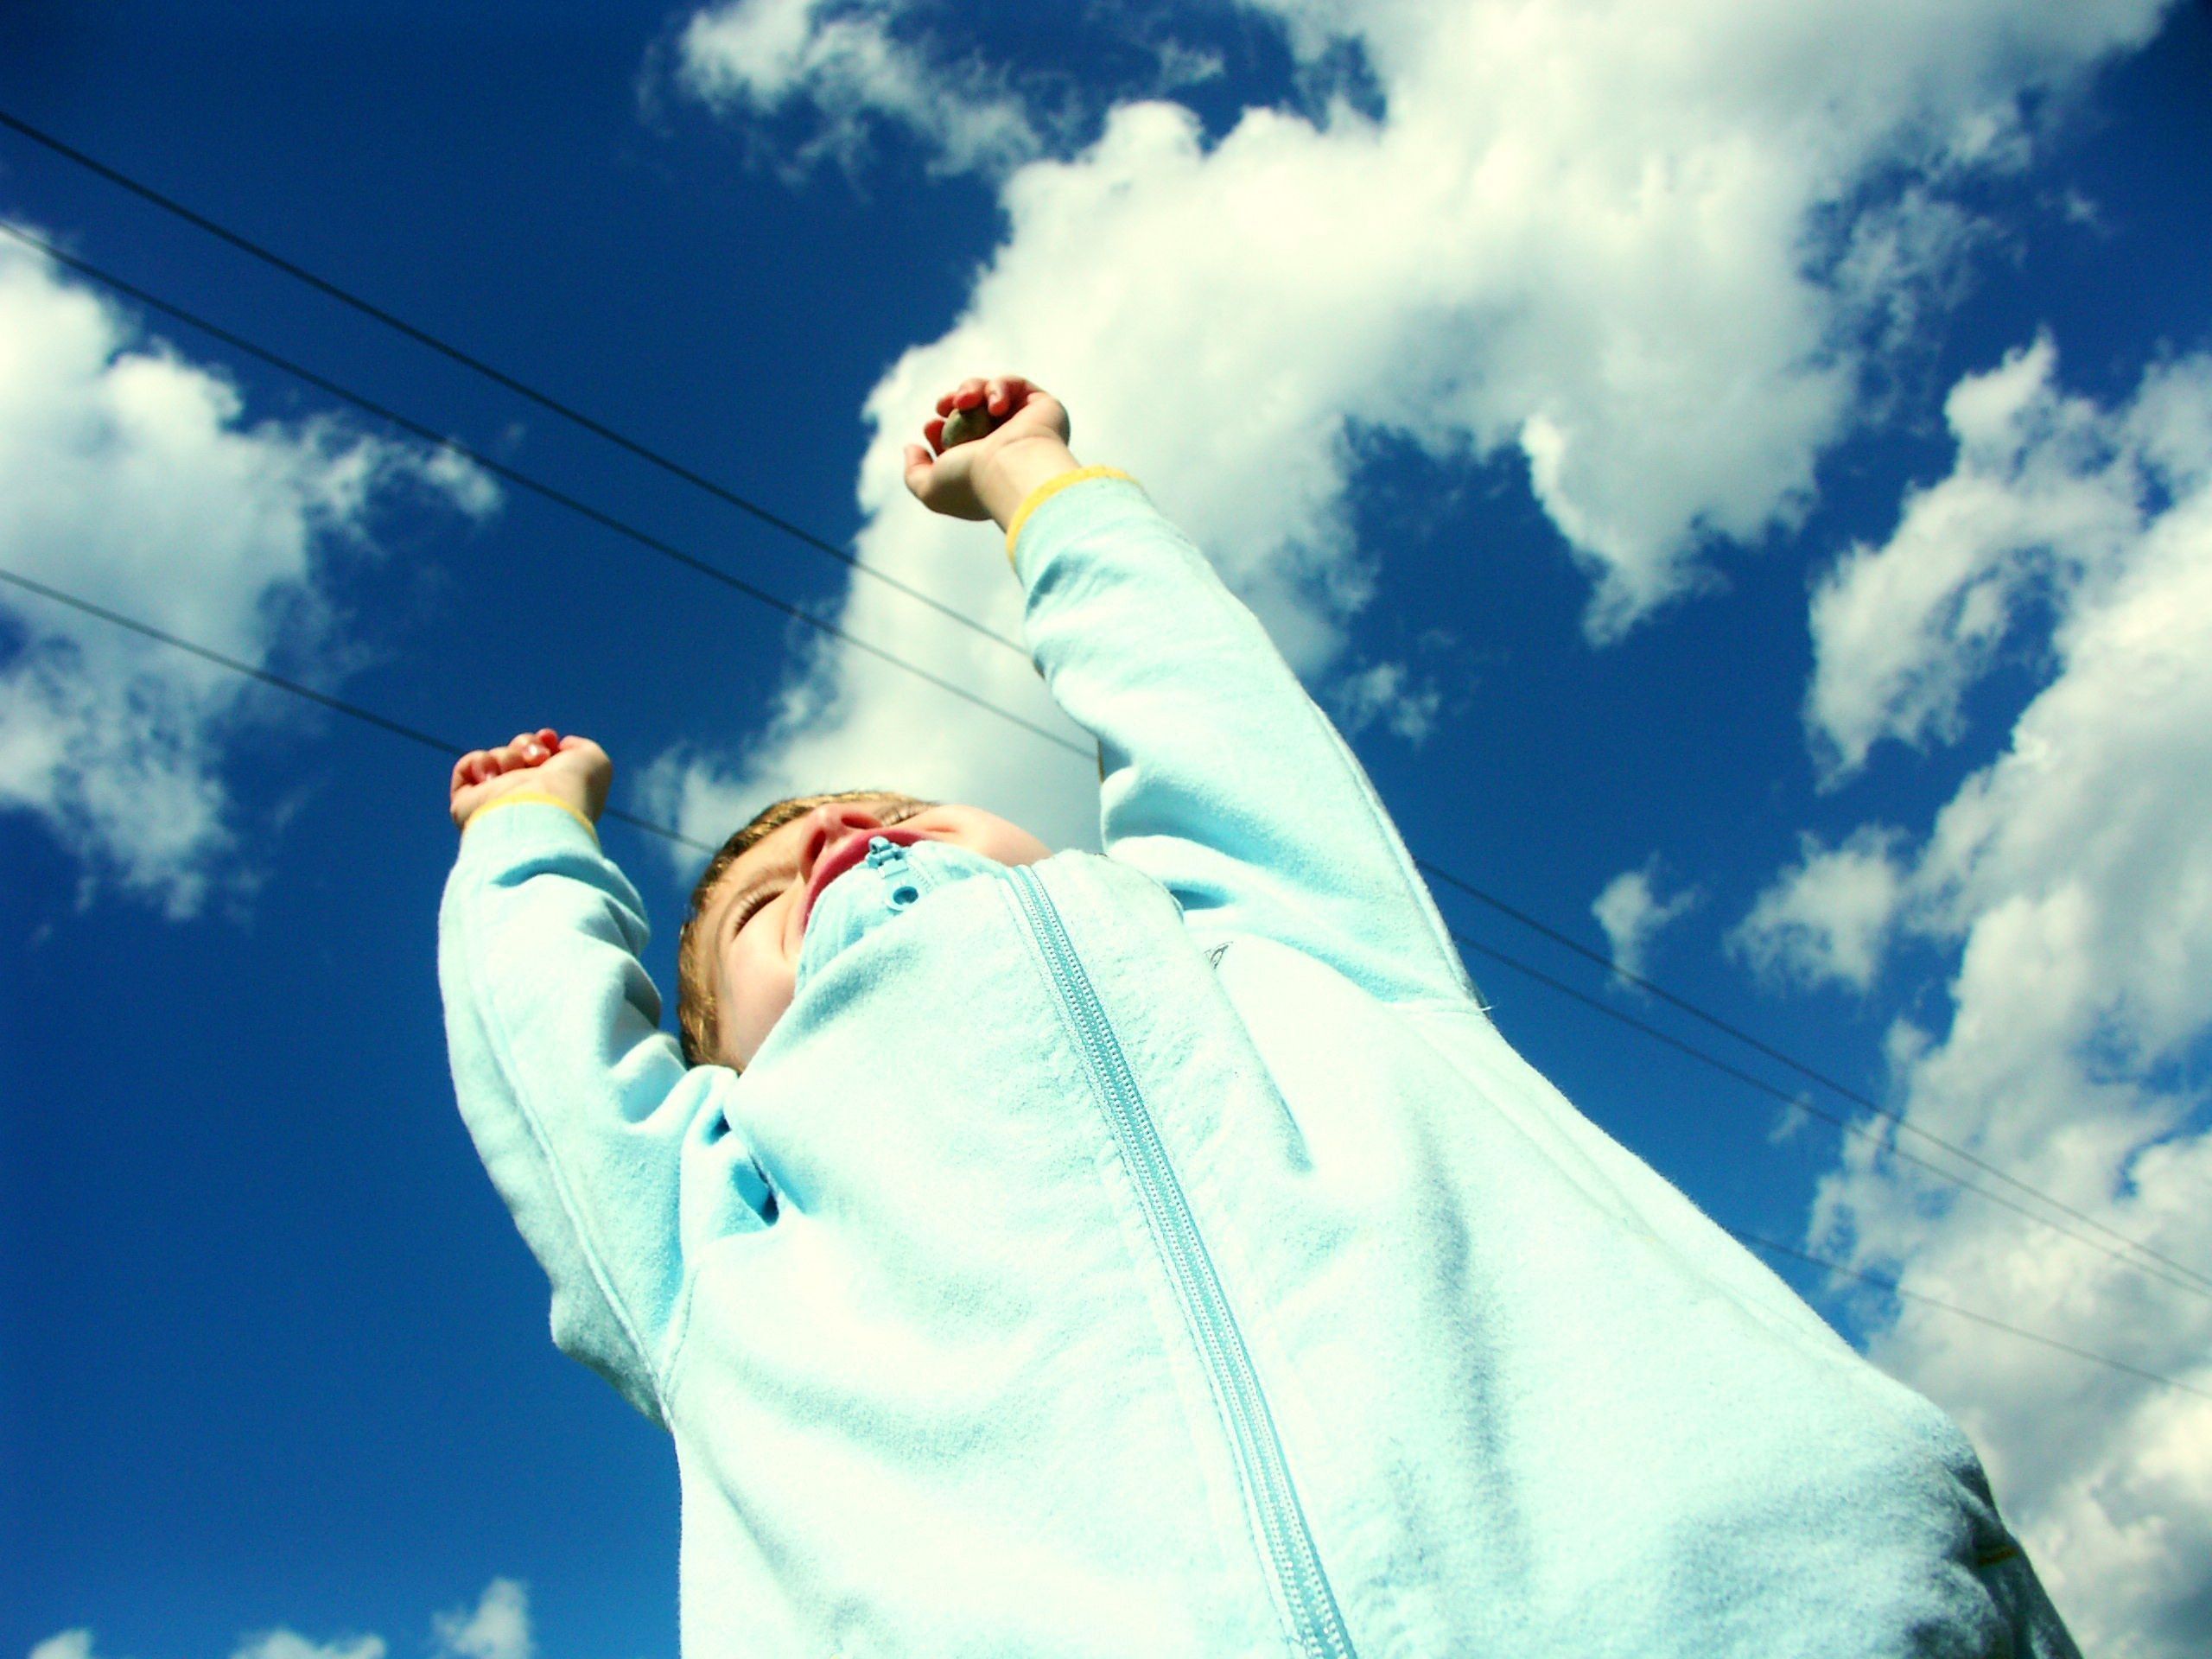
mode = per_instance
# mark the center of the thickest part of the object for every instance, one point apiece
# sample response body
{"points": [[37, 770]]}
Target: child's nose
{"points": [[836, 823]]}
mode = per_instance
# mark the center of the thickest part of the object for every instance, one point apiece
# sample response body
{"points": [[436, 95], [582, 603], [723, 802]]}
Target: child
{"points": [[1159, 1253]]}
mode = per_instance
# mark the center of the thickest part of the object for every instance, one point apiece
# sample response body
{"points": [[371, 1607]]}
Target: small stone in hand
{"points": [[966, 425]]}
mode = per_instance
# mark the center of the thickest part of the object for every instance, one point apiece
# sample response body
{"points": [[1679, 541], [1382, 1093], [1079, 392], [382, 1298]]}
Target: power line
{"points": [[368, 716], [2184, 1280], [413, 735], [524, 481], [425, 740], [1896, 1289], [2198, 1282], [544, 400], [1802, 1070]]}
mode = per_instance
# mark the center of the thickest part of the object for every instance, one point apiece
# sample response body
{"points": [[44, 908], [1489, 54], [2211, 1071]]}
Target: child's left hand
{"points": [[958, 481]]}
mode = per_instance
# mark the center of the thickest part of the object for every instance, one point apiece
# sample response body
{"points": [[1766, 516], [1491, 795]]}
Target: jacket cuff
{"points": [[494, 833], [1049, 488]]}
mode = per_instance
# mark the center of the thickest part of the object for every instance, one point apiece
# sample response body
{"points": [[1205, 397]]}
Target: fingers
{"points": [[921, 472], [999, 392], [527, 749], [999, 395], [966, 395]]}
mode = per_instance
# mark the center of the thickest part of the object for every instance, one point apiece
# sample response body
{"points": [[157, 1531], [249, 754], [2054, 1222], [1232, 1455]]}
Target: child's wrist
{"points": [[542, 792], [1008, 477]]}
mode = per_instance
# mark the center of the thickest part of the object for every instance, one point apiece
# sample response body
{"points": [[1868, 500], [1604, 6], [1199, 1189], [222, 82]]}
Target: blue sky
{"points": [[1754, 468]]}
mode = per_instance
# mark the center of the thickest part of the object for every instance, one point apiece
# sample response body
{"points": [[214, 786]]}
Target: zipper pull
{"points": [[888, 855]]}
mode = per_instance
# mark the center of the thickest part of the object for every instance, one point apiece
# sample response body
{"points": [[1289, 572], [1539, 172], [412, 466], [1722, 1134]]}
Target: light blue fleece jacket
{"points": [[1162, 1253]]}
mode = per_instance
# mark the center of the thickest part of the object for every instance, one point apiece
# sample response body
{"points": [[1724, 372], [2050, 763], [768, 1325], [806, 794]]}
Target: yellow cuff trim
{"points": [[1049, 488], [537, 797]]}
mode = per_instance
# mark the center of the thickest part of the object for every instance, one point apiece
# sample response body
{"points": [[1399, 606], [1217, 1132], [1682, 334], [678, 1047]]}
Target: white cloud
{"points": [[849, 62], [1657, 249], [498, 1629], [1828, 918], [131, 478], [290, 1644], [2072, 876], [2039, 500], [1903, 259], [1631, 912], [1792, 1120], [1379, 692], [1180, 64]]}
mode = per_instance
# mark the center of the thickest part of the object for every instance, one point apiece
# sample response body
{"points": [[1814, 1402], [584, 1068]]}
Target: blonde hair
{"points": [[697, 1009]]}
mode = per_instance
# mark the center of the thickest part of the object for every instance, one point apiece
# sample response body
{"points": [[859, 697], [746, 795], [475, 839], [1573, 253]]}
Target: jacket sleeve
{"points": [[1221, 778], [577, 1102]]}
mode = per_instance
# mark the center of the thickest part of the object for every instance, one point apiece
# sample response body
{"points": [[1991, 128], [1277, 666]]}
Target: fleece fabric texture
{"points": [[1163, 1252]]}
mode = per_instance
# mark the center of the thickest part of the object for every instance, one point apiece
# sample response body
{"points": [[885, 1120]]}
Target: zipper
{"points": [[1295, 1563], [888, 856]]}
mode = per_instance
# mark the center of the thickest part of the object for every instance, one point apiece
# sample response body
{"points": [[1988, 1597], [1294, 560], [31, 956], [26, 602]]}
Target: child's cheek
{"points": [[762, 983]]}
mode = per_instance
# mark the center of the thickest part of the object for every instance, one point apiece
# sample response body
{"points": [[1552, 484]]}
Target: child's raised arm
{"points": [[578, 1103], [1221, 778]]}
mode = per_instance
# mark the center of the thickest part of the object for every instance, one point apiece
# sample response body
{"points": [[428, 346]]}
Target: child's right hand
{"points": [[573, 770]]}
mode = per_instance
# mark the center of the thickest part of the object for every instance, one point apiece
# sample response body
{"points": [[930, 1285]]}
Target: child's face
{"points": [[756, 922]]}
